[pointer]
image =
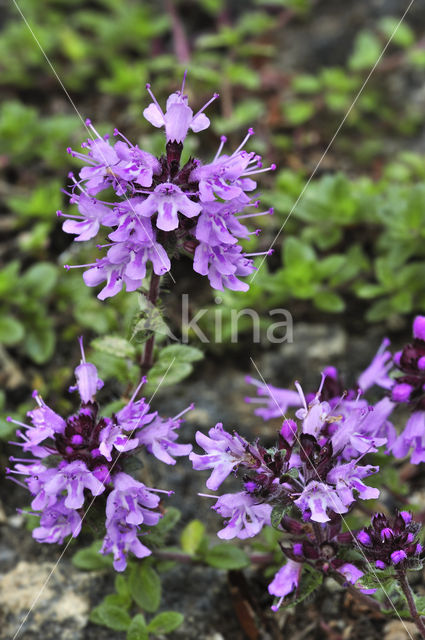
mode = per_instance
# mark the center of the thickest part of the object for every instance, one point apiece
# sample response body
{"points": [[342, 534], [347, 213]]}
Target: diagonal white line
{"points": [[341, 124], [55, 566], [89, 132], [371, 568]]}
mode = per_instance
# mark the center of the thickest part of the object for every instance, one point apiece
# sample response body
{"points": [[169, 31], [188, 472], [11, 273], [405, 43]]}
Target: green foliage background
{"points": [[353, 241]]}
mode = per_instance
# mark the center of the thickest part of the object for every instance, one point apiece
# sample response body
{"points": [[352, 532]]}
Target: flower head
{"points": [[224, 453], [80, 457], [388, 542], [178, 117], [160, 207], [245, 516], [409, 388]]}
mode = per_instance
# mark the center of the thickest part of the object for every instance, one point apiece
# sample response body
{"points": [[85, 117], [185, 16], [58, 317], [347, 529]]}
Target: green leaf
{"points": [[297, 252], [138, 629], [145, 587], [179, 353], [117, 600], [9, 278], [330, 265], [40, 279], [369, 290], [114, 346], [298, 111], [164, 375], [277, 514], [305, 83], [367, 49], [149, 321], [226, 556], [380, 310], [169, 520], [111, 616], [165, 622], [192, 536], [123, 588], [379, 578], [90, 559], [95, 617], [329, 301], [11, 330], [39, 342], [400, 34], [245, 113]]}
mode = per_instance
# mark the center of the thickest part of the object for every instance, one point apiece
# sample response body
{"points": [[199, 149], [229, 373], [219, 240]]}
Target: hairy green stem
{"points": [[405, 586]]}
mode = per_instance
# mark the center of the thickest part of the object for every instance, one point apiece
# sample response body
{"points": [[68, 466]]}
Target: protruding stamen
{"points": [[260, 253], [322, 382], [90, 126], [189, 408], [80, 340], [301, 394], [20, 424], [78, 266], [16, 481], [269, 212], [215, 96], [223, 141], [148, 87], [139, 386], [255, 171], [244, 141], [275, 607], [81, 156], [183, 81], [66, 215], [118, 133], [168, 493]]}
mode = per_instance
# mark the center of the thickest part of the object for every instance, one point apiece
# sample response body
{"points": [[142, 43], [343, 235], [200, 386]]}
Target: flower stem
{"points": [[356, 593], [181, 44], [147, 357], [405, 586]]}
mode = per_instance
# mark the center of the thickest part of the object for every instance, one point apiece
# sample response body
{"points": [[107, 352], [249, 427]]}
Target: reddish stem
{"points": [[147, 358], [181, 44], [404, 584]]}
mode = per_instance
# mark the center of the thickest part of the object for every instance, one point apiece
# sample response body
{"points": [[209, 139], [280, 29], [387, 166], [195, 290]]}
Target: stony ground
{"points": [[215, 605]]}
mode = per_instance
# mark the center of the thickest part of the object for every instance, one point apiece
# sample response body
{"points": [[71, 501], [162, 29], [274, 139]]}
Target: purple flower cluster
{"points": [[405, 385], [160, 208], [277, 401], [409, 388], [315, 470], [323, 554], [391, 543], [77, 459]]}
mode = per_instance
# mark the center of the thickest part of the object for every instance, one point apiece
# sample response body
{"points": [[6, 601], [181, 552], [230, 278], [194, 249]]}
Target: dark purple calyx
{"points": [[317, 460], [390, 541], [81, 438], [412, 365], [271, 472]]}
